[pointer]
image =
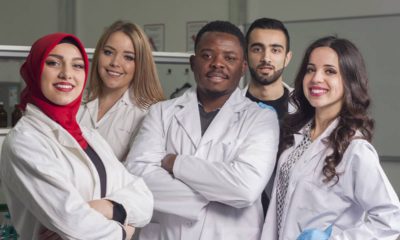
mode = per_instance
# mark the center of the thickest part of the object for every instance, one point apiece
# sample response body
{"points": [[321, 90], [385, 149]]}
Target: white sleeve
{"points": [[171, 195], [124, 188], [135, 197], [30, 171], [373, 192], [240, 182]]}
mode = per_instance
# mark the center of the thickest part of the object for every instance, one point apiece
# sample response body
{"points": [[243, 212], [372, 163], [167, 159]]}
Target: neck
{"points": [[107, 99], [267, 92], [322, 122], [212, 103]]}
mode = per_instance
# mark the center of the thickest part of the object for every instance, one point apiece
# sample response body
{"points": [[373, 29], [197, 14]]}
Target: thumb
{"points": [[328, 230]]}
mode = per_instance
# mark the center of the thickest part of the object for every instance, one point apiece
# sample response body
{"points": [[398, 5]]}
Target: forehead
{"points": [[66, 49], [121, 40], [219, 40], [324, 56], [268, 36]]}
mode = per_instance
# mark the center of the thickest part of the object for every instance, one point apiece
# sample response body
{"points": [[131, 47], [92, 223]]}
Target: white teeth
{"points": [[63, 86], [318, 91], [114, 73]]}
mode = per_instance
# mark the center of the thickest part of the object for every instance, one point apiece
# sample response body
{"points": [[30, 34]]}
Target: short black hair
{"points": [[269, 23], [224, 27]]}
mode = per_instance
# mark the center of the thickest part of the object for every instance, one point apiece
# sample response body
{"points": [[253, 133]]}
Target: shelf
{"points": [[11, 51]]}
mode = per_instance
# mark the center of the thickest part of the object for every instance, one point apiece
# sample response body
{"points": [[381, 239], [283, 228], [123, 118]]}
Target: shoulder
{"points": [[360, 154]]}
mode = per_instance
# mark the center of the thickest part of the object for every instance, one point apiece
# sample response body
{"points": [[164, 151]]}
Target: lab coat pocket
{"points": [[230, 149], [317, 204]]}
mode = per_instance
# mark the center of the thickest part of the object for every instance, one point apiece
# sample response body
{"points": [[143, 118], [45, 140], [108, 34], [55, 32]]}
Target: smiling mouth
{"points": [[317, 91], [113, 73], [63, 87]]}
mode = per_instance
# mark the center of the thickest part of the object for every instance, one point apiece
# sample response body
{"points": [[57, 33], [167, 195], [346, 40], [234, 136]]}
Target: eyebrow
{"points": [[274, 45], [108, 46], [325, 65], [62, 57]]}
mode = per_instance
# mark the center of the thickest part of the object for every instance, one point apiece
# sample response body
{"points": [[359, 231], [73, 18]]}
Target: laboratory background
{"points": [[171, 24]]}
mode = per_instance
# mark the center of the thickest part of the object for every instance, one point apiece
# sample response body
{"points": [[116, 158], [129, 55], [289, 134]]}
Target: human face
{"points": [[63, 75], [267, 55], [117, 62], [218, 64], [323, 83]]}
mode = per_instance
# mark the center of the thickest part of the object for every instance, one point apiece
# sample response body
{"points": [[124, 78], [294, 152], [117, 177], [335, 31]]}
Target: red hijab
{"points": [[31, 72]]}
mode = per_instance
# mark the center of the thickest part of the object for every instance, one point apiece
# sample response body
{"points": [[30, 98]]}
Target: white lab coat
{"points": [[218, 177], [362, 205], [48, 180], [118, 126]]}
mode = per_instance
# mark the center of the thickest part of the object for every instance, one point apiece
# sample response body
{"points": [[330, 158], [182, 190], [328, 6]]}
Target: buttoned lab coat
{"points": [[48, 180], [362, 205], [218, 178], [118, 126]]}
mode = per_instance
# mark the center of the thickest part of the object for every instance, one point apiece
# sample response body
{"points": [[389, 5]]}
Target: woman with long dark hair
{"points": [[329, 181]]}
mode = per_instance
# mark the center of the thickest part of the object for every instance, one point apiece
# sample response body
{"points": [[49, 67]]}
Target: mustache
{"points": [[217, 73], [266, 65]]}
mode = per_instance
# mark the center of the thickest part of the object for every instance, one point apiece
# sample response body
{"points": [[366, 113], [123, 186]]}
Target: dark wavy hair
{"points": [[353, 117]]}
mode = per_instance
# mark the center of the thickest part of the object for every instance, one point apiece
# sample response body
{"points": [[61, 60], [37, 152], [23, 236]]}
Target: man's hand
{"points": [[168, 162]]}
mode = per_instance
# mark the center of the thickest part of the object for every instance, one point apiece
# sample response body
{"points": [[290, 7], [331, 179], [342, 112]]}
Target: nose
{"points": [[317, 77], [218, 62], [265, 57], [65, 73], [115, 61]]}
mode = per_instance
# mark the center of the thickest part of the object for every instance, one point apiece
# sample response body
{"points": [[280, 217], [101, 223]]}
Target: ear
{"points": [[288, 58], [192, 60], [244, 67]]}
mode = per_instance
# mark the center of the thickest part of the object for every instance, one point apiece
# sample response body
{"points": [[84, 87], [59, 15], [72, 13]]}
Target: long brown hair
{"points": [[145, 85], [353, 117]]}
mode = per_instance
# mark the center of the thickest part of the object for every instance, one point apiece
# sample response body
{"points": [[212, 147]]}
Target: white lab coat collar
{"points": [[318, 144], [48, 125], [189, 116]]}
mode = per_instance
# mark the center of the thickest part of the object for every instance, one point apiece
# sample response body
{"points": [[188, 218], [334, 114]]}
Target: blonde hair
{"points": [[145, 85]]}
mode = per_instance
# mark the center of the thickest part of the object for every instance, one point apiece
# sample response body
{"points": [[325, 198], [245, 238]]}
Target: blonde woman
{"points": [[123, 84]]}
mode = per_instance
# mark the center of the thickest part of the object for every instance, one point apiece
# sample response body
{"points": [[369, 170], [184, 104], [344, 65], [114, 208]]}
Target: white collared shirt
{"points": [[118, 126]]}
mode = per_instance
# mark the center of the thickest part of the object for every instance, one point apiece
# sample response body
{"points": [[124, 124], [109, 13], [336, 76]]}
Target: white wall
{"points": [[288, 10], [23, 21], [173, 13]]}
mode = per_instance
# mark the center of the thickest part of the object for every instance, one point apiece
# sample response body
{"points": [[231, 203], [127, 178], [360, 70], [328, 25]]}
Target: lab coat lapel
{"points": [[54, 131], [188, 117], [317, 146], [226, 117]]}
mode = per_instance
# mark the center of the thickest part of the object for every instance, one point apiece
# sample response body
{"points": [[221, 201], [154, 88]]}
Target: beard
{"points": [[265, 80]]}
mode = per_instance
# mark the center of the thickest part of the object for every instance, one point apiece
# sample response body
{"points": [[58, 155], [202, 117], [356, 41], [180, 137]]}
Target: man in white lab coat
{"points": [[208, 154]]}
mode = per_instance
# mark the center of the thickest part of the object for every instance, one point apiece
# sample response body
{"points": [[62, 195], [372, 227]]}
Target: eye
{"points": [[107, 52], [230, 58], [79, 66], [276, 50], [310, 70], [330, 71], [206, 56], [52, 63], [256, 49], [129, 58]]}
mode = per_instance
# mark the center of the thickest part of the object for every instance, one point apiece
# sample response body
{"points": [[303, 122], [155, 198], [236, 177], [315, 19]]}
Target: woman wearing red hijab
{"points": [[56, 175]]}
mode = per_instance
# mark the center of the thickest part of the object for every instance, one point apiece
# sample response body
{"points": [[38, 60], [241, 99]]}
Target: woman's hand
{"points": [[103, 206], [129, 230]]}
